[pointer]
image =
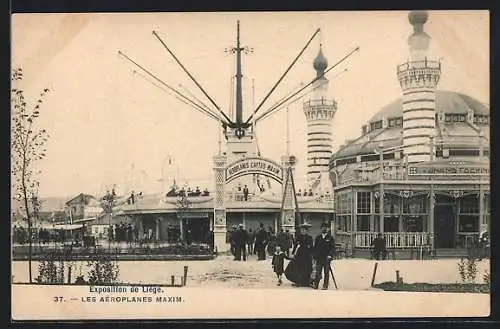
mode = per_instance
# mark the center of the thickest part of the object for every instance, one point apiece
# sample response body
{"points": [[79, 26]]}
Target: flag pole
{"points": [[287, 131]]}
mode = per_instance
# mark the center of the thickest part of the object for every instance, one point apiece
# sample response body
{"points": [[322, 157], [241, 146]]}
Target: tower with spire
{"points": [[319, 112], [419, 78]]}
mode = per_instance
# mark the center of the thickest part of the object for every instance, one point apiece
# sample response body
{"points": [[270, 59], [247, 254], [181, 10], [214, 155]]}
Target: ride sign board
{"points": [[450, 168], [254, 165]]}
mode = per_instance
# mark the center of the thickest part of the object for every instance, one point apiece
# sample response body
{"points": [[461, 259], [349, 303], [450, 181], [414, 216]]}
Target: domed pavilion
{"points": [[419, 171]]}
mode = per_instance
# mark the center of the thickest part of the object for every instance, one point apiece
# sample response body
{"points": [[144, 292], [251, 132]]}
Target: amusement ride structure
{"points": [[243, 161]]}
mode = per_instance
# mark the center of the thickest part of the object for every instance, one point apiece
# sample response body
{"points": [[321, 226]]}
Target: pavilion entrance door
{"points": [[444, 225]]}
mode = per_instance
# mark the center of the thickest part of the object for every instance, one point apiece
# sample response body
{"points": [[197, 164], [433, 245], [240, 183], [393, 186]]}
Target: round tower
{"points": [[418, 78], [319, 112]]}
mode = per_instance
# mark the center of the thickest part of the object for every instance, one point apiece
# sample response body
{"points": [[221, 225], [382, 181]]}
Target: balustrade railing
{"points": [[320, 102], [399, 240], [419, 65]]}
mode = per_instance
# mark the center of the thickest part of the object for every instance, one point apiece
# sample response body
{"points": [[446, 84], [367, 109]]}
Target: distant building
{"points": [[82, 206]]}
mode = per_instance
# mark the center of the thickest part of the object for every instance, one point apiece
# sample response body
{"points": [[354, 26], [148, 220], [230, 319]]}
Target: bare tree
{"points": [[27, 146]]}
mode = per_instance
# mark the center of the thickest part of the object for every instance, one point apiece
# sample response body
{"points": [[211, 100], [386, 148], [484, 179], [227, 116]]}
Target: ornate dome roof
{"points": [[446, 101], [320, 62]]}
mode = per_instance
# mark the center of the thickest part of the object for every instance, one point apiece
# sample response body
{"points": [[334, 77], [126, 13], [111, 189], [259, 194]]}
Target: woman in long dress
{"points": [[299, 269]]}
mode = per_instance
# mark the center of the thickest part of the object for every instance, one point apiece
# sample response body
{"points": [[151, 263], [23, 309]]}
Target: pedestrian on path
{"points": [[278, 263]]}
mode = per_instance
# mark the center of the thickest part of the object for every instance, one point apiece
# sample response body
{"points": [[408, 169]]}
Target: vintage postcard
{"points": [[250, 165]]}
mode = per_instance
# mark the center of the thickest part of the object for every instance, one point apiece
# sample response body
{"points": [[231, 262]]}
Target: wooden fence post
{"points": [[374, 273], [185, 275]]}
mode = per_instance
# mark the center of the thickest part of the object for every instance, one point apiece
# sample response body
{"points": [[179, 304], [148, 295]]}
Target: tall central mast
{"points": [[239, 96]]}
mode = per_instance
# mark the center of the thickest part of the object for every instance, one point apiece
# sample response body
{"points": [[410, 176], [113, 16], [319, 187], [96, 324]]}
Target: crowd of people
{"points": [[174, 233], [259, 242], [44, 236], [308, 258], [189, 192], [123, 233], [311, 193]]}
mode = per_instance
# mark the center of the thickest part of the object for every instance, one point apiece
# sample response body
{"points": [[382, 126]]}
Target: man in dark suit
{"points": [[378, 245], [245, 193], [240, 240], [323, 252], [261, 241]]}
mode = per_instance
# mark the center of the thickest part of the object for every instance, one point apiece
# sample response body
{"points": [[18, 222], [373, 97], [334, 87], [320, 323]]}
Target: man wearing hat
{"points": [[240, 241], [261, 240], [323, 251], [232, 241]]}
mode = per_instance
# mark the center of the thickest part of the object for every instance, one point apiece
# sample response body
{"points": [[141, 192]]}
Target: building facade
{"points": [[419, 172]]}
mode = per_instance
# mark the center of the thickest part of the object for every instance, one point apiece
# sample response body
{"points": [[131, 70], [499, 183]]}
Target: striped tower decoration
{"points": [[418, 78], [319, 112]]}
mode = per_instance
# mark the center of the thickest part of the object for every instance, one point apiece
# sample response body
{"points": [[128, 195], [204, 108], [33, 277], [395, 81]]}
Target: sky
{"points": [[108, 124]]}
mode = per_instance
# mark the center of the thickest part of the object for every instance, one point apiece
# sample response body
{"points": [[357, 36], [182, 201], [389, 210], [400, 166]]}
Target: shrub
{"points": [[103, 269], [48, 271], [467, 268], [487, 277]]}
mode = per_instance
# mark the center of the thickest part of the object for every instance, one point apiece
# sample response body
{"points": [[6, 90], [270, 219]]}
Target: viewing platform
{"points": [[417, 65], [320, 103]]}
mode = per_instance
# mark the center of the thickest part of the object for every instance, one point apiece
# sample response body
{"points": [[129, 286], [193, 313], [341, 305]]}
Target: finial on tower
{"points": [[320, 62], [418, 40], [418, 18]]}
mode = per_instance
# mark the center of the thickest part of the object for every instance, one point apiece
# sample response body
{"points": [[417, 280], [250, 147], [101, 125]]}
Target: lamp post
{"points": [[108, 202]]}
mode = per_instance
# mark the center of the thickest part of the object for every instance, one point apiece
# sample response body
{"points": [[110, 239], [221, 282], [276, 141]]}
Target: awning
{"points": [[84, 220], [67, 227]]}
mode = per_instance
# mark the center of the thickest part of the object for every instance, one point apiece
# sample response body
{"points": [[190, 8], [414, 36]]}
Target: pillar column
{"points": [[157, 234], [381, 208], [141, 229], [400, 215], [430, 222], [354, 210], [354, 202], [220, 229], [181, 226], [457, 218], [372, 210], [482, 218], [333, 226]]}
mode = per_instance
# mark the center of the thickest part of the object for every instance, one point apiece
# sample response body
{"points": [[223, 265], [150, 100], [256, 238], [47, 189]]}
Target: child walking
{"points": [[278, 263]]}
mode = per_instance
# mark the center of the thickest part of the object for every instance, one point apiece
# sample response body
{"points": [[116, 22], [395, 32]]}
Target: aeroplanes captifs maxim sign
{"points": [[248, 166]]}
